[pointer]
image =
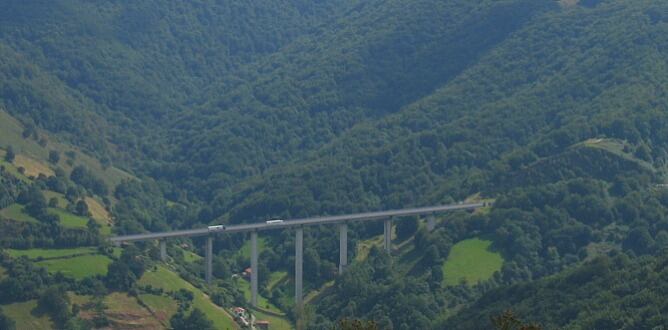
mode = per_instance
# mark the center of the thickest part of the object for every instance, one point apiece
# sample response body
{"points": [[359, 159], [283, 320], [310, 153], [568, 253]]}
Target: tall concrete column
{"points": [[209, 259], [387, 242], [431, 223], [163, 250], [343, 247], [299, 259], [254, 268]]}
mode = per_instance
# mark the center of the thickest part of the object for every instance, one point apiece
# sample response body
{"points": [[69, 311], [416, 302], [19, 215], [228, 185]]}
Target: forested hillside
{"points": [[205, 112], [135, 64]]}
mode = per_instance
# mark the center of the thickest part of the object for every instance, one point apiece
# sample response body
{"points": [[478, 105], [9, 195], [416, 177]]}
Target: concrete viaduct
{"points": [[298, 225]]}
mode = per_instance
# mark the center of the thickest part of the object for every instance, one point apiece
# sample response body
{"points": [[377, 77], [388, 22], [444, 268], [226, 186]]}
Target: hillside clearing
{"points": [[275, 323], [190, 256], [50, 253], [15, 212], [97, 211], [471, 261], [11, 168], [32, 166], [245, 249], [616, 147], [125, 312], [62, 202], [69, 220], [276, 278], [162, 307], [169, 281], [23, 314], [34, 157], [78, 267], [244, 285]]}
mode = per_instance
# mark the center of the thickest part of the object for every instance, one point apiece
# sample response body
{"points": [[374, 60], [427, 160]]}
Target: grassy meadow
{"points": [[170, 281], [471, 261], [78, 267]]}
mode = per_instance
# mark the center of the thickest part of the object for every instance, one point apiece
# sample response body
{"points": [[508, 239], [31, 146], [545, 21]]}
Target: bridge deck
{"points": [[299, 222]]}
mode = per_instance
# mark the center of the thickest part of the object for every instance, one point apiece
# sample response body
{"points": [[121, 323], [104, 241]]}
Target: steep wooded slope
{"points": [[564, 78], [134, 63], [369, 63]]}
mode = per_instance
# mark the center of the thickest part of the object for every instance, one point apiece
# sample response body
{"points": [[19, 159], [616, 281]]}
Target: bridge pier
{"points": [[254, 268], [163, 250], [208, 275], [387, 233], [431, 223], [343, 247], [299, 259]]}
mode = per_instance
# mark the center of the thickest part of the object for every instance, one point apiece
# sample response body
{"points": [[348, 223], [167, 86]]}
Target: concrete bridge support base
{"points": [[209, 260], [431, 223], [387, 233], [163, 250], [299, 259], [343, 247], [254, 268]]}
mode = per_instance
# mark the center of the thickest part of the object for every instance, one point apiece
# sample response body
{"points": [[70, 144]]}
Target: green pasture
{"points": [[50, 253], [78, 267], [261, 301], [162, 307], [15, 212], [24, 315], [471, 261], [170, 281]]}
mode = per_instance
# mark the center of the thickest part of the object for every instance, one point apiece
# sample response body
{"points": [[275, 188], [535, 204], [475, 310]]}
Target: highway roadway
{"points": [[299, 222]]}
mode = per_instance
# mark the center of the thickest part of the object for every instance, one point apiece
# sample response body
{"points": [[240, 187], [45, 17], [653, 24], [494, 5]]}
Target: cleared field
{"points": [[316, 295], [80, 300], [471, 261], [78, 267], [10, 134], [97, 211], [125, 312], [616, 147], [276, 278], [261, 301], [245, 249], [32, 166], [275, 323], [69, 220], [62, 201], [15, 212], [190, 256], [50, 253], [105, 230], [25, 318], [170, 281], [116, 252], [364, 246], [163, 307], [11, 168]]}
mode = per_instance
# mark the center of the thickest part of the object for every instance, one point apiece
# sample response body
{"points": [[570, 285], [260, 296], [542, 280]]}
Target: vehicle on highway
{"points": [[274, 222], [216, 228]]}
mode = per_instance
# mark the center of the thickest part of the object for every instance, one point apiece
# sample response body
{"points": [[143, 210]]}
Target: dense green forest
{"points": [[209, 112]]}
